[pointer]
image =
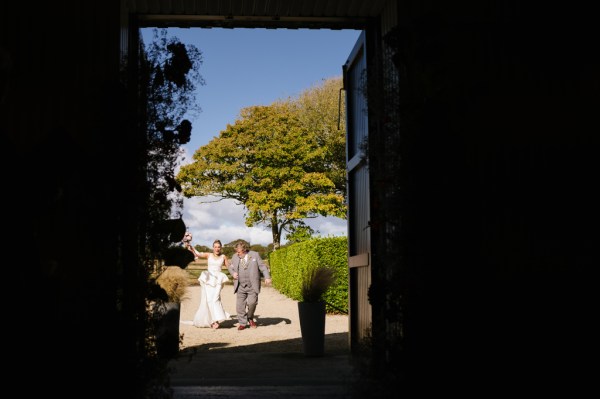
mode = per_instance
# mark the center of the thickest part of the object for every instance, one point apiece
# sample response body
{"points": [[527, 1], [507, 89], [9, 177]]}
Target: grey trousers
{"points": [[245, 304]]}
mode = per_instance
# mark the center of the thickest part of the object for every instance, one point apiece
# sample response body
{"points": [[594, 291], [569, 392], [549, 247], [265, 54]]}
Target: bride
{"points": [[210, 312]]}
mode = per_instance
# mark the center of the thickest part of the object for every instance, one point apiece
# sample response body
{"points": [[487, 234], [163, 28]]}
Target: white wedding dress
{"points": [[211, 281]]}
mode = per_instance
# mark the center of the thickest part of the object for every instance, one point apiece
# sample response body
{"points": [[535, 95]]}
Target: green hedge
{"points": [[289, 264]]}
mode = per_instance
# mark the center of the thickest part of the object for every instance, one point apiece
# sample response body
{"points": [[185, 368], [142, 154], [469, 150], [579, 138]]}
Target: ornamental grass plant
{"points": [[316, 282], [174, 279]]}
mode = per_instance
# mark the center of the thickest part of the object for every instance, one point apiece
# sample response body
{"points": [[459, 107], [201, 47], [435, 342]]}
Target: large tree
{"points": [[322, 110], [272, 164]]}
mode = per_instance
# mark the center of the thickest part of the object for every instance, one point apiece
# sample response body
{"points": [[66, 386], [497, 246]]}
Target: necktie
{"points": [[243, 263]]}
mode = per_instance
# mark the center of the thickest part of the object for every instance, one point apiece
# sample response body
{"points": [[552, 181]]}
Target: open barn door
{"points": [[359, 235]]}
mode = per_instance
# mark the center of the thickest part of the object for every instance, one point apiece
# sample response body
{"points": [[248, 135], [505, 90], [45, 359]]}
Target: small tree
{"points": [[169, 78], [299, 233], [169, 74]]}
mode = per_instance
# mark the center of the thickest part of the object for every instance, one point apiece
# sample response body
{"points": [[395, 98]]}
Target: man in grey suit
{"points": [[245, 268]]}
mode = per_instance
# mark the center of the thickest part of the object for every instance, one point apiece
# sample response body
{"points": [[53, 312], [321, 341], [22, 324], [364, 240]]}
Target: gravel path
{"points": [[278, 326]]}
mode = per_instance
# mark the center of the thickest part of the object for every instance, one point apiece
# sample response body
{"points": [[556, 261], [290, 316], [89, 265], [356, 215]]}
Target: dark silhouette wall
{"points": [[483, 159], [69, 162], [484, 223]]}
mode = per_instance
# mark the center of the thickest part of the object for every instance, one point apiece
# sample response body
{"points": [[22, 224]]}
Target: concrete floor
{"points": [[226, 374]]}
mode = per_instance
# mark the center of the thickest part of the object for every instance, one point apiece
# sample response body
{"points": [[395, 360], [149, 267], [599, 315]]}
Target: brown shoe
{"points": [[241, 327], [252, 323]]}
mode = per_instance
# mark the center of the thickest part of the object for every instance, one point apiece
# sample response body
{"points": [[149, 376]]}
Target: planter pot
{"points": [[312, 327], [167, 334]]}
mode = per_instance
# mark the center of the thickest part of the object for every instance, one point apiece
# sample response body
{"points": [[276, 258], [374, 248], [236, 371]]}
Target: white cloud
{"points": [[224, 220], [328, 226]]}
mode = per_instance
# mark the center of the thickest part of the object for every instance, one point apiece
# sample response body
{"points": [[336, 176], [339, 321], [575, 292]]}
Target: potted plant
{"points": [[169, 290], [311, 309]]}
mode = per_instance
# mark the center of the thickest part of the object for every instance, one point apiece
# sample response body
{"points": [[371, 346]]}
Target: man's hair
{"points": [[242, 245]]}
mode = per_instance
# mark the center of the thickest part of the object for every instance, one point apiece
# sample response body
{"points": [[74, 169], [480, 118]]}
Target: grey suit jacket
{"points": [[256, 266]]}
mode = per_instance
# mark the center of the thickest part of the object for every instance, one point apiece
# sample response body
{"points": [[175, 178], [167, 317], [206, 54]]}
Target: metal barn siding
{"points": [[359, 240]]}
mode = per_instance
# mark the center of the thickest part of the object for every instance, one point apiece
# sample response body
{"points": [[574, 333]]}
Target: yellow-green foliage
{"points": [[320, 112], [278, 166], [289, 266]]}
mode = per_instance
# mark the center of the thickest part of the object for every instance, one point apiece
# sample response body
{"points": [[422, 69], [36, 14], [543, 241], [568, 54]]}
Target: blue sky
{"points": [[245, 67]]}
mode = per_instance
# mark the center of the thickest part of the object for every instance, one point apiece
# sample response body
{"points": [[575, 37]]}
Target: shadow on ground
{"points": [[216, 370]]}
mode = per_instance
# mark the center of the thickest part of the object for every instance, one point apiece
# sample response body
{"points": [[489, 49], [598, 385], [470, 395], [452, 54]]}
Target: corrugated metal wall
{"points": [[359, 242]]}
